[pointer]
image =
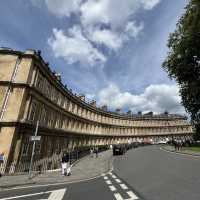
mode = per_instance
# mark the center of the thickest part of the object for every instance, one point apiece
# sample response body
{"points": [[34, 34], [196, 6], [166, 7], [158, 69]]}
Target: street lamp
{"points": [[34, 139]]}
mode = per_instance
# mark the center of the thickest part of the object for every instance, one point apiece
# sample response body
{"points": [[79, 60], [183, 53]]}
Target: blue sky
{"points": [[110, 50]]}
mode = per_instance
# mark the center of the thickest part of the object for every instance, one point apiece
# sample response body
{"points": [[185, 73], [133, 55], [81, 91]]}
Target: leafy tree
{"points": [[183, 60]]}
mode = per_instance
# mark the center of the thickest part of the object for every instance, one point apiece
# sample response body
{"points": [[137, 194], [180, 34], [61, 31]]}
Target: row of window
{"points": [[57, 97], [52, 145], [57, 144], [53, 119]]}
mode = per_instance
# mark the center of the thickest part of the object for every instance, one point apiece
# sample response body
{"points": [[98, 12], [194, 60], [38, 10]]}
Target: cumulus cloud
{"points": [[90, 97], [103, 22], [107, 38], [156, 98], [149, 4], [60, 8], [115, 13], [74, 47], [132, 29]]}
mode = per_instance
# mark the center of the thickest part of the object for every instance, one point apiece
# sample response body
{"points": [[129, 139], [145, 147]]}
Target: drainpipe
{"points": [[9, 89]]}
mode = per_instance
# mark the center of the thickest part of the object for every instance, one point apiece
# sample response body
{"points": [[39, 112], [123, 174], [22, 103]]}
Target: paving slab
{"points": [[87, 168]]}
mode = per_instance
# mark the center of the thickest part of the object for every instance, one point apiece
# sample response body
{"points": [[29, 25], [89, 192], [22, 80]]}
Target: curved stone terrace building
{"points": [[30, 91]]}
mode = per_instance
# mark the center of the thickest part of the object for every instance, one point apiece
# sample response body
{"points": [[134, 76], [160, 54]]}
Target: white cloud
{"points": [[106, 22], [74, 47], [115, 13], [90, 97], [106, 37], [156, 98], [132, 29], [149, 4], [63, 7], [98, 11], [93, 12]]}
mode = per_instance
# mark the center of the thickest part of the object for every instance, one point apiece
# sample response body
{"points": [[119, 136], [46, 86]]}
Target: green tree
{"points": [[183, 60]]}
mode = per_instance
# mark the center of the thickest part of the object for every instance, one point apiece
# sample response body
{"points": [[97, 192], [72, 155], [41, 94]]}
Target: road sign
{"points": [[35, 138], [54, 195]]}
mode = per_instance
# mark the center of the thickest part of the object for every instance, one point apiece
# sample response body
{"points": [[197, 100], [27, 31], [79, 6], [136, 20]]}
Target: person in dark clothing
{"points": [[96, 152], [66, 164], [65, 158], [1, 161]]}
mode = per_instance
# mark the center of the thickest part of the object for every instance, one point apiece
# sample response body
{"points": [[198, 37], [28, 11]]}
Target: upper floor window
{"points": [[25, 148], [32, 111], [43, 115], [39, 84], [48, 89]]}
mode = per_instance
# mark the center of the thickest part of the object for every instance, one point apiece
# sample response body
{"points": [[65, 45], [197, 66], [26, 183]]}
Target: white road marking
{"points": [[112, 188], [26, 195], [123, 186], [52, 184], [132, 196], [108, 182], [118, 196], [110, 173], [55, 195], [113, 176], [118, 180]]}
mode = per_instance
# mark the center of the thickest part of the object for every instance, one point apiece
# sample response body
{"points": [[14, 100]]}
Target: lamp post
{"points": [[34, 139]]}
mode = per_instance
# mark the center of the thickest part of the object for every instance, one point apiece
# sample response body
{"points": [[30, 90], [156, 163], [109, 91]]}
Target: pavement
{"points": [[182, 151], [86, 168]]}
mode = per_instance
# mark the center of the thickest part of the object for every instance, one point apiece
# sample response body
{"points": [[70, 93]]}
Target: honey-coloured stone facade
{"points": [[30, 91]]}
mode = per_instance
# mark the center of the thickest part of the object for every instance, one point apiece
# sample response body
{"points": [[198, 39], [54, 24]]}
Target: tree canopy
{"points": [[183, 60]]}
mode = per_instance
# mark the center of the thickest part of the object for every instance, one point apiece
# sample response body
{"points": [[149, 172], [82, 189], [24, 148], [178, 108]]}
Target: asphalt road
{"points": [[160, 175], [146, 173]]}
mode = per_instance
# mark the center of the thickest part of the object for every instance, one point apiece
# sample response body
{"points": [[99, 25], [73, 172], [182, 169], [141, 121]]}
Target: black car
{"points": [[119, 149]]}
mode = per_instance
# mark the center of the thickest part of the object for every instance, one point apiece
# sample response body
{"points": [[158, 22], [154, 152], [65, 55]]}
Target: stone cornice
{"points": [[55, 131]]}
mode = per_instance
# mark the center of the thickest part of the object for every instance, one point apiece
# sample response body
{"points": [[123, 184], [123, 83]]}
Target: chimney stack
{"points": [[93, 103], [82, 97], [118, 110], [129, 112], [58, 76], [104, 107]]}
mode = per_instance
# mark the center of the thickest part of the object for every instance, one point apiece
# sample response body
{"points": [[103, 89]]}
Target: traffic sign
{"points": [[35, 138]]}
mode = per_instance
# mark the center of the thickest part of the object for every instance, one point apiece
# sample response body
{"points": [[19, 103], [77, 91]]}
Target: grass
{"points": [[195, 149]]}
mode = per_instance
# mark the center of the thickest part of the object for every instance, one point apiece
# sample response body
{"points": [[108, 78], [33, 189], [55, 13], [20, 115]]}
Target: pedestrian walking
{"points": [[96, 152], [178, 145], [66, 167], [1, 161], [91, 152], [181, 145], [174, 142], [69, 164], [64, 164]]}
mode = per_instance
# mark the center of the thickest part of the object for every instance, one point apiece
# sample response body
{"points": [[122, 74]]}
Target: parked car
{"points": [[119, 149]]}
